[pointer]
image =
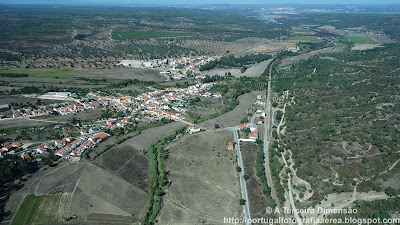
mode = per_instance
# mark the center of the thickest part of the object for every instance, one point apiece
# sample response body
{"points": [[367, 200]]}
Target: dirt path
{"points": [[296, 215]]}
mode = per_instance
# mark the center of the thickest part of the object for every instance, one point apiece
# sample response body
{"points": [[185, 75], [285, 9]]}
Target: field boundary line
{"points": [[180, 204]]}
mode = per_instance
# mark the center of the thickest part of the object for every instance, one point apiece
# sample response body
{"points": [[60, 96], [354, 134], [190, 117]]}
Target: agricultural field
{"points": [[128, 163], [97, 198], [305, 38], [43, 73], [148, 136], [361, 39], [204, 185], [37, 210], [297, 58], [303, 32]]}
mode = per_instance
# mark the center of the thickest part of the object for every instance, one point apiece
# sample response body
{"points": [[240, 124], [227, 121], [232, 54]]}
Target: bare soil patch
{"points": [[204, 183], [122, 74], [253, 71], [363, 46], [143, 141], [129, 163], [121, 196], [297, 58]]}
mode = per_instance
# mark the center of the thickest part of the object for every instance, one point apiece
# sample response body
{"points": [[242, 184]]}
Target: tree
{"points": [[391, 191], [238, 169], [216, 126], [279, 115], [242, 201]]}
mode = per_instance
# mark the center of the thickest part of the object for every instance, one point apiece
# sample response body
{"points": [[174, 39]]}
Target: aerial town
{"points": [[153, 105]]}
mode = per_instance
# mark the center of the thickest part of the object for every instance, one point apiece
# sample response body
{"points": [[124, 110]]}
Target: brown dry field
{"points": [[297, 58], [233, 117], [44, 120], [5, 88], [204, 183], [94, 190], [100, 191], [253, 71], [121, 74], [143, 141], [220, 47], [8, 99], [272, 47], [257, 202], [128, 163], [46, 81]]}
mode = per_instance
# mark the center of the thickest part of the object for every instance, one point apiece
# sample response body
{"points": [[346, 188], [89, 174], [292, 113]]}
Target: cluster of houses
{"points": [[28, 112], [8, 147], [69, 147], [253, 131], [293, 49], [187, 64], [156, 104]]}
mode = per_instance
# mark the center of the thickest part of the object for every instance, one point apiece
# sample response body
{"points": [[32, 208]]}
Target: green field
{"points": [[361, 39], [304, 38], [37, 210], [121, 35], [48, 73]]}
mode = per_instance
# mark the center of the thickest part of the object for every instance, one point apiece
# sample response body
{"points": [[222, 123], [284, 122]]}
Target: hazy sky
{"points": [[182, 2]]}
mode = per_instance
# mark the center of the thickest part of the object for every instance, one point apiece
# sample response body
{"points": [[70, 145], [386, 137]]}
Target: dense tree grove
{"points": [[232, 61]]}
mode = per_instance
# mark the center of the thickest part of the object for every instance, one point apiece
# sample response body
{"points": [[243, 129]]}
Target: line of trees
{"points": [[13, 75], [158, 179]]}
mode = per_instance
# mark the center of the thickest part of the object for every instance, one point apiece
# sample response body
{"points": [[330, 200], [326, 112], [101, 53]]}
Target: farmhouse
{"points": [[25, 156], [254, 135], [193, 129], [230, 145]]}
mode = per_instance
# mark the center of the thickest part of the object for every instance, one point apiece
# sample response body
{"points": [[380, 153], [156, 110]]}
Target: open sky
{"points": [[184, 2]]}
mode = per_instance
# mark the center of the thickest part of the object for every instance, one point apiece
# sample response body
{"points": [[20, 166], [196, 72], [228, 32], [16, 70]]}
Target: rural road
{"points": [[246, 209], [267, 140]]}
